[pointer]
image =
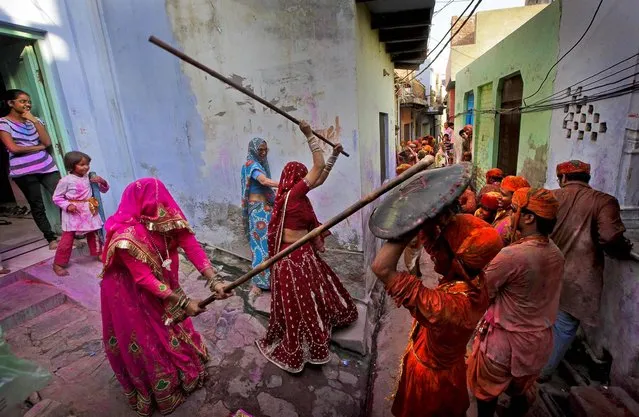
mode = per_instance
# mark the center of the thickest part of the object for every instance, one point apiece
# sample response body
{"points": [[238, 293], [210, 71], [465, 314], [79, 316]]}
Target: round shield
{"points": [[418, 199]]}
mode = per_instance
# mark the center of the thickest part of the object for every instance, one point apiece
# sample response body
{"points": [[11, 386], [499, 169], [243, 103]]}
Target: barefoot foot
{"points": [[60, 271]]}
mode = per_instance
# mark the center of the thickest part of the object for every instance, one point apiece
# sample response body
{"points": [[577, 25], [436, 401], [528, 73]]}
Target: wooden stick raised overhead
{"points": [[318, 231], [225, 80]]}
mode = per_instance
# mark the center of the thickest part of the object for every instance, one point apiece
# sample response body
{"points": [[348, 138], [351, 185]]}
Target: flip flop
{"points": [[4, 222]]}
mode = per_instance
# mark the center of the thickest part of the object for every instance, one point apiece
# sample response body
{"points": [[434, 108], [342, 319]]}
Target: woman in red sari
{"points": [[307, 299], [157, 365], [433, 378]]}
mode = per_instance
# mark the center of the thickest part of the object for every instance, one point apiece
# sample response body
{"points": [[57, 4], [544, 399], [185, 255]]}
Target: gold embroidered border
{"points": [[137, 250], [168, 225]]}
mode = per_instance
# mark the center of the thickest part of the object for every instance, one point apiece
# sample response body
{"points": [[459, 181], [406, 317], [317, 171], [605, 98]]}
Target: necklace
{"points": [[166, 262]]}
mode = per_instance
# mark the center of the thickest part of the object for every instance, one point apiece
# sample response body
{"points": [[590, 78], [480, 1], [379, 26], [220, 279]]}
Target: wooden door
{"points": [[509, 125]]}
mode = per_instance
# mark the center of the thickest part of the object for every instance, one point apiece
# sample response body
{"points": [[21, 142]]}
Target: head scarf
{"points": [[539, 201], [473, 241], [513, 183], [292, 173], [573, 167], [494, 173], [146, 207], [490, 201], [428, 149], [254, 163], [468, 129]]}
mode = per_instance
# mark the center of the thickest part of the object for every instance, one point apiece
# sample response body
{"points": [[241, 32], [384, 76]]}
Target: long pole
{"points": [[184, 57], [425, 163]]}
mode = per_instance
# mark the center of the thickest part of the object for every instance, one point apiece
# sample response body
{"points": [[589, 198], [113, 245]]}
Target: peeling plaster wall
{"points": [[77, 58], [600, 48], [375, 95], [299, 55], [530, 50]]}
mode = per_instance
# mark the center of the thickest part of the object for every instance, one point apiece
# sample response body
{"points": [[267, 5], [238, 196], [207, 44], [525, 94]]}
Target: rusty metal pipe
{"points": [[184, 57]]}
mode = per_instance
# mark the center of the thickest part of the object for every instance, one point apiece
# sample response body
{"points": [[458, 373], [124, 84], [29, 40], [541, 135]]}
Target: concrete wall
{"points": [[375, 95], [138, 111], [600, 49], [530, 51], [492, 27]]}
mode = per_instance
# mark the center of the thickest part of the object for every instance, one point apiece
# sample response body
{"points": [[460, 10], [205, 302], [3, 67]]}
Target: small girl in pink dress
{"points": [[79, 209]]}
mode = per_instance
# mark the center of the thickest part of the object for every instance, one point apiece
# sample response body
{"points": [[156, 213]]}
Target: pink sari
{"points": [[156, 365]]}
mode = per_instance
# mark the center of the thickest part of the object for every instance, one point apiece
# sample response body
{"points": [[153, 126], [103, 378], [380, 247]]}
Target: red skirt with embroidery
{"points": [[307, 301]]}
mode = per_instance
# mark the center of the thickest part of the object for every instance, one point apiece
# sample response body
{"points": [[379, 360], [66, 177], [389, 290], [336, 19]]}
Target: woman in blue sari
{"points": [[257, 205]]}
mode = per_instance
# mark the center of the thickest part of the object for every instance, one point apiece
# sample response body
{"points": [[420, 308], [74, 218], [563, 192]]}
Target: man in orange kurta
{"points": [[523, 283], [432, 382]]}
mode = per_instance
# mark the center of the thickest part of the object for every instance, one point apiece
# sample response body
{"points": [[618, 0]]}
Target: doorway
{"points": [[384, 150], [20, 69], [509, 125]]}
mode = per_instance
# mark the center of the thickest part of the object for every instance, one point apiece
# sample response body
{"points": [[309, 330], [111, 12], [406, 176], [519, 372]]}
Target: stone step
{"points": [[26, 299], [25, 248], [601, 402]]}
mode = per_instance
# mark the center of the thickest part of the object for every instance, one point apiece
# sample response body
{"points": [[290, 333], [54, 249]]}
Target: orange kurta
{"points": [[433, 379]]}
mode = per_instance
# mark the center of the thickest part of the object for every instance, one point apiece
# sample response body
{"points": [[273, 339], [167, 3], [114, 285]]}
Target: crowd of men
{"points": [[523, 267]]}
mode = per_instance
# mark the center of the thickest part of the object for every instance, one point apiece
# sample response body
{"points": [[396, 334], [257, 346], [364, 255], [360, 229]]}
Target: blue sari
{"points": [[257, 214]]}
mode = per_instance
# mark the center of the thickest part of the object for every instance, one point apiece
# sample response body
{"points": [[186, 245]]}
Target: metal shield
{"points": [[419, 199]]}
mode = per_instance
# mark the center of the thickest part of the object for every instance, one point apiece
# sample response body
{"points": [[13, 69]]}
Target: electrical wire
{"points": [[443, 7], [594, 15], [563, 91], [449, 40]]}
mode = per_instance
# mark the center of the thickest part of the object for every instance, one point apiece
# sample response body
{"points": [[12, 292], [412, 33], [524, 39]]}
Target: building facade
{"points": [[532, 113]]}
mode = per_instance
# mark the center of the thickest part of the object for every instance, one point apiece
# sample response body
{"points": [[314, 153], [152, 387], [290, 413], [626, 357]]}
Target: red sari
{"points": [[157, 365], [307, 299], [433, 378]]}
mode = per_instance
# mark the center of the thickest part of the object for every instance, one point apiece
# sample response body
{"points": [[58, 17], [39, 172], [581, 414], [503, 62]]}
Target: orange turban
{"points": [[401, 168], [573, 167], [490, 200], [473, 241], [540, 201], [512, 183], [494, 173], [428, 149]]}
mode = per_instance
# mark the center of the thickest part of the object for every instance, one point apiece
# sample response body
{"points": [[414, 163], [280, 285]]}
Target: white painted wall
{"points": [[78, 57], [140, 112], [612, 38]]}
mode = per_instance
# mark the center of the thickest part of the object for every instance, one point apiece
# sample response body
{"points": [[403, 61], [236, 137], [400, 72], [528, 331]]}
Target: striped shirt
{"points": [[25, 134]]}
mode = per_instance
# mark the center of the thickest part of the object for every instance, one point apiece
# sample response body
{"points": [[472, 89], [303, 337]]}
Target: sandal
{"points": [[4, 222]]}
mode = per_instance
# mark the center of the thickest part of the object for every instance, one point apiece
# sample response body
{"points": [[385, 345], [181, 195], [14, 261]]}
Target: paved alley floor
{"points": [[67, 341]]}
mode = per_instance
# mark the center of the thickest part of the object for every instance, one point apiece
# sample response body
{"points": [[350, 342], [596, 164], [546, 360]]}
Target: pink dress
{"points": [[76, 190], [157, 365]]}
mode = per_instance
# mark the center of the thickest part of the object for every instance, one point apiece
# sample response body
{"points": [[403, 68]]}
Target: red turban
{"points": [[513, 183], [490, 200], [473, 241], [573, 167], [494, 173]]}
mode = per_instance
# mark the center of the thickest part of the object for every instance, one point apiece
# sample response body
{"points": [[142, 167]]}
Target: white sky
{"points": [[441, 24]]}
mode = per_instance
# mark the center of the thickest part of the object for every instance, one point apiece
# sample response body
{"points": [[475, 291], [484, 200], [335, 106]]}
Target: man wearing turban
{"points": [[508, 186], [523, 282], [432, 381], [588, 225], [488, 206], [494, 177]]}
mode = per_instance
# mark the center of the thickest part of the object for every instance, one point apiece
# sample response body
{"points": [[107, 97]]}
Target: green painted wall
{"points": [[531, 50]]}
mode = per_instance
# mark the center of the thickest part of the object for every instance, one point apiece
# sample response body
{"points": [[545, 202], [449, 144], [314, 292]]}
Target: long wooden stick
{"points": [[425, 163], [225, 80]]}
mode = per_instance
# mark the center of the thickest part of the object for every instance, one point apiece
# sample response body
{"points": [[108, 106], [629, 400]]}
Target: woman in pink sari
{"points": [[157, 365], [308, 299]]}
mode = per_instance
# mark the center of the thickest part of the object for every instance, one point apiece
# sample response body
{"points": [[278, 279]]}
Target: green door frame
{"points": [[57, 129], [48, 93]]}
